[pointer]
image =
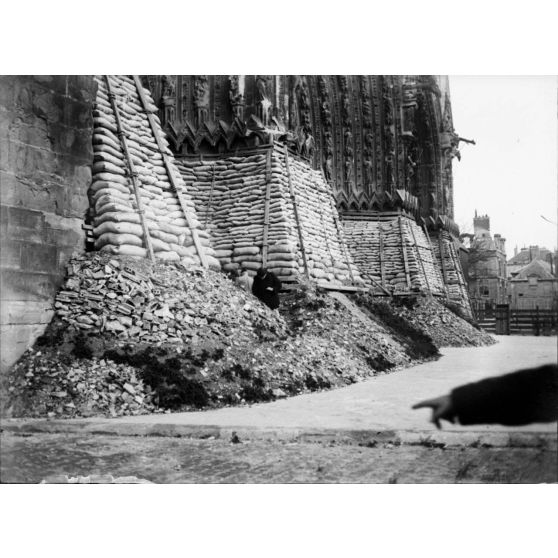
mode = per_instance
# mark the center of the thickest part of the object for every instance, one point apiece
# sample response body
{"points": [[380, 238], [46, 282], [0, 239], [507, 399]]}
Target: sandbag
{"points": [[246, 251], [108, 157], [117, 240], [100, 184], [159, 245], [112, 207], [165, 237], [167, 256], [282, 263], [116, 194], [125, 250], [117, 217], [105, 166], [100, 139], [111, 178], [107, 200], [120, 228], [213, 263]]}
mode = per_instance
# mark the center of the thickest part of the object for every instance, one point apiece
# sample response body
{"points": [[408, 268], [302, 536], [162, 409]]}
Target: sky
{"points": [[511, 172]]}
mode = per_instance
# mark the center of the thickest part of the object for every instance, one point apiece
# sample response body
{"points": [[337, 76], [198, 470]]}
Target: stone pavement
{"points": [[382, 403], [38, 457]]}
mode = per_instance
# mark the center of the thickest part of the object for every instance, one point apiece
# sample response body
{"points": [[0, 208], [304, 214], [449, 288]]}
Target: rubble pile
{"points": [[134, 301], [429, 316], [263, 205], [117, 208], [395, 254], [47, 384], [187, 339]]}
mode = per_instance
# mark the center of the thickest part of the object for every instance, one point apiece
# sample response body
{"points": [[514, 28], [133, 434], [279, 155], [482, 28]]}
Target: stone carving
{"points": [[236, 97], [410, 167], [368, 171], [308, 145], [263, 104], [295, 91], [367, 133], [168, 99], [348, 169], [328, 168], [305, 106], [201, 99]]}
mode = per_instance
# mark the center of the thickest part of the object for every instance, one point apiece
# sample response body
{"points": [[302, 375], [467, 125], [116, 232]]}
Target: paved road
{"points": [[385, 401]]}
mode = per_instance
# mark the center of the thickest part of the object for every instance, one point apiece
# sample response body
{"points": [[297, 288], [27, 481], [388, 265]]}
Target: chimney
{"points": [[515, 250]]}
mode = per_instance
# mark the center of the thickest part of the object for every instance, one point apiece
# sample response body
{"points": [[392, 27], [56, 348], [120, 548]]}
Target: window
{"points": [[484, 291], [533, 281]]}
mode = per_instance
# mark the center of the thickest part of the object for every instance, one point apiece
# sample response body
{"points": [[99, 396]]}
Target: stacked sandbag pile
{"points": [[429, 278], [387, 243], [450, 267], [329, 259], [229, 194], [117, 224]]}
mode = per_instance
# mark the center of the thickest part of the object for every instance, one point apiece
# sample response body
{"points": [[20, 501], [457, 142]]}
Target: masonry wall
{"points": [[45, 170], [525, 295]]}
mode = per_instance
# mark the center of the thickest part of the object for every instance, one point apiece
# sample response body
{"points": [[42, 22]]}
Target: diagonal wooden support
{"points": [[131, 169], [157, 134]]}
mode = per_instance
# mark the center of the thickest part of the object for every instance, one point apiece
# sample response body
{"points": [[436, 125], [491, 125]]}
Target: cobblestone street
{"points": [[170, 460]]}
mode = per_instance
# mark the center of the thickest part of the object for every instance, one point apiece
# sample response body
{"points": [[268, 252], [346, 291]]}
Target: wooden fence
{"points": [[504, 320]]}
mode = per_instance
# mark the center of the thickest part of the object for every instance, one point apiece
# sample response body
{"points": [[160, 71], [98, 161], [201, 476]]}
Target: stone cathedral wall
{"points": [[46, 153]]}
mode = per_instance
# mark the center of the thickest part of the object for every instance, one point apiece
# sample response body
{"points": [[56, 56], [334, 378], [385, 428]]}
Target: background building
{"points": [[534, 286], [487, 273]]}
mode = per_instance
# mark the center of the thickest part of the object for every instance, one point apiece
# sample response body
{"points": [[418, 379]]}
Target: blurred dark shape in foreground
{"points": [[515, 399]]}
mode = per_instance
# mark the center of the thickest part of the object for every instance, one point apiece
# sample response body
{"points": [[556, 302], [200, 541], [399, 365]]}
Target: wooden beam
{"points": [[381, 255], [295, 208], [157, 134], [265, 242], [420, 259], [404, 250]]}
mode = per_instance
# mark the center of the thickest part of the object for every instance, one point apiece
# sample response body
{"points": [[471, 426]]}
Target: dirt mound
{"points": [[131, 337], [425, 318]]}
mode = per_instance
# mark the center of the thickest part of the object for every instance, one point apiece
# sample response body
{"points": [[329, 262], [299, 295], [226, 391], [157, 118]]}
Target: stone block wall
{"points": [[45, 170]]}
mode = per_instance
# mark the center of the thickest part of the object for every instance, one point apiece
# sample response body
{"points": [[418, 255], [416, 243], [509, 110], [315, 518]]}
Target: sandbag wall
{"points": [[117, 223], [230, 196], [393, 254], [449, 265]]}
